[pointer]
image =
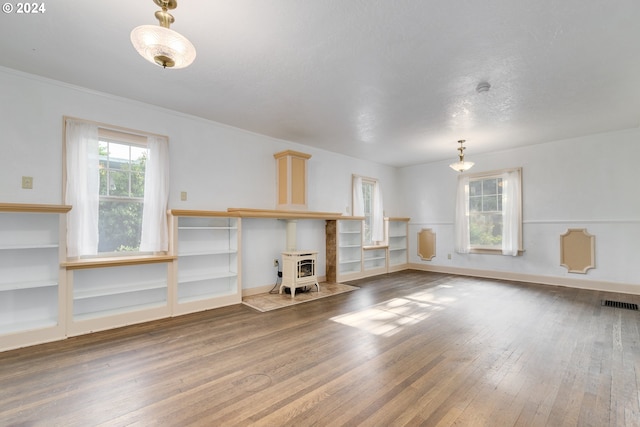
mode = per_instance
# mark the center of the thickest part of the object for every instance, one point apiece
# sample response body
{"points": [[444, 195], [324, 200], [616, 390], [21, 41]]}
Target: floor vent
{"points": [[618, 304]]}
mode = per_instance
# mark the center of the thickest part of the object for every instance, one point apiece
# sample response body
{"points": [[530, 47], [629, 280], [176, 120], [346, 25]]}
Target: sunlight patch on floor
{"points": [[389, 317]]}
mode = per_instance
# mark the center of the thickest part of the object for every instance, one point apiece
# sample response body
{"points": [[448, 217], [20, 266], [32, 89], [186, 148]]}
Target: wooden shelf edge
{"points": [[30, 207], [116, 261], [189, 212], [283, 214], [398, 219]]}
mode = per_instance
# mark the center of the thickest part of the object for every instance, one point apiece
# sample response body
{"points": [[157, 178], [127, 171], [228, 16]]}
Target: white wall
{"points": [[589, 182], [218, 166]]}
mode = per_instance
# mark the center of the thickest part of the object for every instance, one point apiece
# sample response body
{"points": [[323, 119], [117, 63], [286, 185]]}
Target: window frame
{"points": [[367, 223], [116, 134], [120, 138], [482, 176]]}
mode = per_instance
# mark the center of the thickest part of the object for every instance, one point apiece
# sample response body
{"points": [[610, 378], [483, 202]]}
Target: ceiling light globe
{"points": [[461, 166], [163, 46]]}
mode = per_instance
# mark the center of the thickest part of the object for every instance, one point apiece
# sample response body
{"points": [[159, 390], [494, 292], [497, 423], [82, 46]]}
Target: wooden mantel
{"points": [[283, 214]]}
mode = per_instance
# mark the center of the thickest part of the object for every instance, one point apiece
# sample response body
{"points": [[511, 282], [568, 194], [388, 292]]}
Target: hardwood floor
{"points": [[408, 348]]}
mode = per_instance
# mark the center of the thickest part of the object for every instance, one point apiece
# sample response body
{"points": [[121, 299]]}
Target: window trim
{"points": [[376, 183], [493, 174], [116, 134]]}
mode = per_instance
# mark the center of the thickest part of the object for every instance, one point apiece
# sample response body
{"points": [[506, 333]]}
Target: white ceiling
{"points": [[388, 81]]}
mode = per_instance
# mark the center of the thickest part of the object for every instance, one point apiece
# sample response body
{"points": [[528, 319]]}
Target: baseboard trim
{"points": [[594, 285]]}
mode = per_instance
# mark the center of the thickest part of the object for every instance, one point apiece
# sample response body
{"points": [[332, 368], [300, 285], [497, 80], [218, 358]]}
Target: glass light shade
{"points": [[461, 166], [163, 46]]}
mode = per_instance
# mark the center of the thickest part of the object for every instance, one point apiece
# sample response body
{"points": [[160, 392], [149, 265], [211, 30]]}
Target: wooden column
{"points": [[331, 251]]}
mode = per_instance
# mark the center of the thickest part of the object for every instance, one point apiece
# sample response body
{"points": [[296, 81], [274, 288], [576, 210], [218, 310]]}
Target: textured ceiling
{"points": [[388, 81]]}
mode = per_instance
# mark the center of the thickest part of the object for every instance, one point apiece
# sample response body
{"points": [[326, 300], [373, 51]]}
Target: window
{"points": [[122, 168], [367, 195], [488, 212], [367, 202], [485, 213], [117, 183]]}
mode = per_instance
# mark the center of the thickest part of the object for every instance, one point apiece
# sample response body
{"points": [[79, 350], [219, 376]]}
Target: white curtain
{"points": [[511, 203], [155, 234], [377, 215], [358, 197], [83, 184], [462, 216]]}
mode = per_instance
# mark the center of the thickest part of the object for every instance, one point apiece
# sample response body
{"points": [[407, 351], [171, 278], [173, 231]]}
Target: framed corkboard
{"points": [[426, 244], [577, 250]]}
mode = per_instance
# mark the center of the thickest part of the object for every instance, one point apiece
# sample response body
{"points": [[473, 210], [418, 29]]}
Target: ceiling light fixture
{"points": [[160, 44], [461, 165]]}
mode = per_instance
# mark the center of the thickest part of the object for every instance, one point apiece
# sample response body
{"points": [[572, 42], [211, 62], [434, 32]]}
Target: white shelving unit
{"points": [[375, 260], [207, 244], [108, 296], [31, 281], [347, 257], [397, 235], [349, 249]]}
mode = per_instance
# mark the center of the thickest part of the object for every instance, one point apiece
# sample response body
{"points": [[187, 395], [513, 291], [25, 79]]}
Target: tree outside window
{"points": [[485, 213]]}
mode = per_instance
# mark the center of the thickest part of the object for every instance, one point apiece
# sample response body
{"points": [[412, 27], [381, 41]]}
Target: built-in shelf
{"points": [[207, 244], [27, 247], [207, 228], [31, 281], [128, 289], [347, 257], [27, 326], [27, 285], [51, 297], [107, 296], [205, 253], [375, 258], [116, 311], [398, 241]]}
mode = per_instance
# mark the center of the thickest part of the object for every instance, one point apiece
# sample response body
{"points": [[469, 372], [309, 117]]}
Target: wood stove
{"points": [[299, 270]]}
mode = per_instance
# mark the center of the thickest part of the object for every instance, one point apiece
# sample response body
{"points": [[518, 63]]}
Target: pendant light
{"points": [[160, 44], [461, 165]]}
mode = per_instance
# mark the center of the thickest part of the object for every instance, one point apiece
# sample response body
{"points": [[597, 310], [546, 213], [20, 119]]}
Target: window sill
{"points": [[79, 264], [491, 251]]}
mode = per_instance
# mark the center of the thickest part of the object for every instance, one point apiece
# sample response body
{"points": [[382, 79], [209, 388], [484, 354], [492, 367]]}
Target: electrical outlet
{"points": [[27, 182], [276, 262], [183, 196], [448, 256]]}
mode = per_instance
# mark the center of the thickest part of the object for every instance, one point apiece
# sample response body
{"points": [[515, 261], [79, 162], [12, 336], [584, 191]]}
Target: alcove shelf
{"points": [[32, 281], [207, 272]]}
